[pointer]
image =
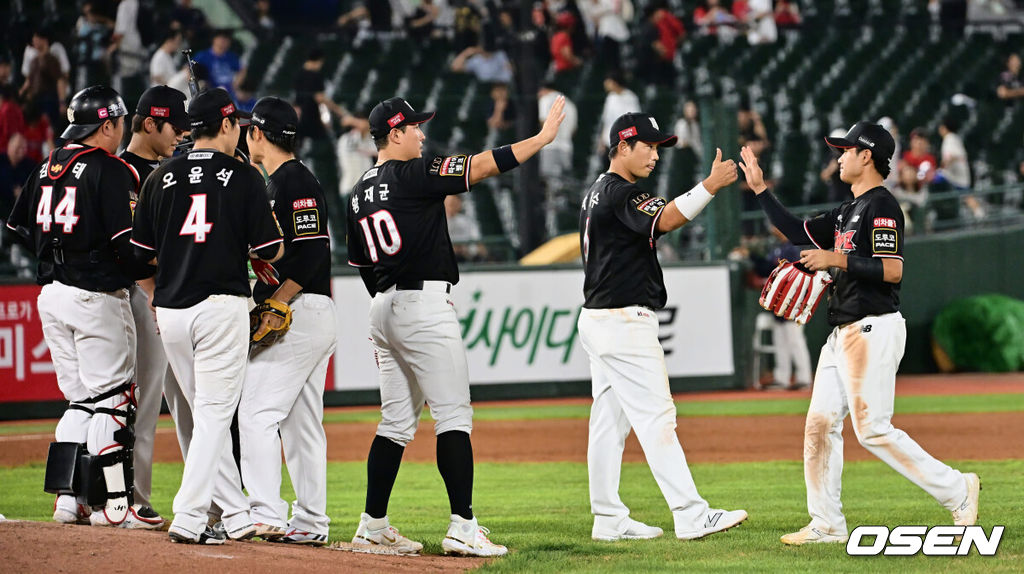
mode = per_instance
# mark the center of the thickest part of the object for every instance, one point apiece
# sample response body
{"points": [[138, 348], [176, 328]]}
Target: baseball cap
{"points": [[641, 126], [164, 103], [211, 106], [394, 113], [866, 135], [274, 115]]}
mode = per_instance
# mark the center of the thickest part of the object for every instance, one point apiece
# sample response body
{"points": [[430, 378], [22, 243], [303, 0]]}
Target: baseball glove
{"points": [[263, 333], [793, 291]]}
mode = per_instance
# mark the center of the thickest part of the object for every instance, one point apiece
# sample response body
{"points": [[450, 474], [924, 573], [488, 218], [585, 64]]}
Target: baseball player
{"points": [[619, 226], [284, 383], [197, 217], [398, 238], [861, 244], [159, 124], [75, 213]]}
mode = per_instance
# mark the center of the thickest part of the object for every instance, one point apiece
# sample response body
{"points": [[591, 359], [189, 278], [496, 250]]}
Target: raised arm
{"points": [[790, 225], [686, 207], [492, 162]]}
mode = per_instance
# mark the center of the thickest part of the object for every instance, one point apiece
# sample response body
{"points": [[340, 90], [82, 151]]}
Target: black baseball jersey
{"points": [[198, 214], [618, 234], [142, 166], [396, 220], [76, 213], [867, 226], [301, 209]]}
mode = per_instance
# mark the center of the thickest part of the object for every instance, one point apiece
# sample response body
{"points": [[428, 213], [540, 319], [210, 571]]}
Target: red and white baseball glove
{"points": [[793, 291]]}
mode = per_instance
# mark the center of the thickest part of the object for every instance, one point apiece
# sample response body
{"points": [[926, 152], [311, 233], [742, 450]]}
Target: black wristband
{"points": [[869, 268], [504, 158]]}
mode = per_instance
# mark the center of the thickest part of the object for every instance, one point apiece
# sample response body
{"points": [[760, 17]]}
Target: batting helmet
{"points": [[90, 108]]}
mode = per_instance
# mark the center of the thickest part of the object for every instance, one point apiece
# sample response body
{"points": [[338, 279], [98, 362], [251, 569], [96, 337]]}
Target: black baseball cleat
{"points": [[209, 536]]}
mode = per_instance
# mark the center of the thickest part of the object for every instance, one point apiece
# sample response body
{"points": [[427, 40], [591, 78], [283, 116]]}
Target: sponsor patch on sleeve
{"points": [[454, 166], [651, 206], [885, 222], [306, 222], [304, 203], [884, 240]]}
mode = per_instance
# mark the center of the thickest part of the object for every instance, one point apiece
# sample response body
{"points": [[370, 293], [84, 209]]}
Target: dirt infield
{"points": [[79, 552]]}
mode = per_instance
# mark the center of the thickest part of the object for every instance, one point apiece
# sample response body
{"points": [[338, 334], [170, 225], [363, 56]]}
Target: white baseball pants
{"points": [[91, 337], [630, 388], [206, 345], [857, 375], [283, 391], [791, 351], [422, 358]]}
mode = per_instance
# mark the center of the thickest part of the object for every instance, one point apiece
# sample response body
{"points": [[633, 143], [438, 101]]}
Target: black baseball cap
{"points": [[640, 126], [394, 113], [275, 116], [211, 106], [866, 135], [164, 103]]}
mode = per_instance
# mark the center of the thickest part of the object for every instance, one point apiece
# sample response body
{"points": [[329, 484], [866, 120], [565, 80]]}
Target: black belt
{"points": [[416, 286]]}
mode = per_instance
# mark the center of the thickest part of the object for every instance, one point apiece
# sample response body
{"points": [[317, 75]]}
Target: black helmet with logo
{"points": [[90, 108]]}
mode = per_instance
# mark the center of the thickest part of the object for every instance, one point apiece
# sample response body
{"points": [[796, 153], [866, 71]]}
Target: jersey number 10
{"points": [[391, 244], [63, 215]]}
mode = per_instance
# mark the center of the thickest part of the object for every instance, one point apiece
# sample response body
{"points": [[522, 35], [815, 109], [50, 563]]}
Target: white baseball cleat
{"points": [[378, 532], [967, 513], [717, 520], [70, 514], [296, 536], [269, 532], [142, 518], [209, 536], [609, 529], [809, 535], [468, 538]]}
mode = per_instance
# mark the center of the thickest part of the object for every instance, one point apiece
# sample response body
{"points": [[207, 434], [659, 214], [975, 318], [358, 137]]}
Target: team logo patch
{"points": [[306, 222], [627, 133], [844, 241], [56, 167], [454, 165], [651, 206], [159, 112], [102, 113], [396, 119], [884, 240], [885, 222], [227, 110]]}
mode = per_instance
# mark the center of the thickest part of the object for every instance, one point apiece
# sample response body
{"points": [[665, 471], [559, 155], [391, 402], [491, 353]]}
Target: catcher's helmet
{"points": [[90, 108]]}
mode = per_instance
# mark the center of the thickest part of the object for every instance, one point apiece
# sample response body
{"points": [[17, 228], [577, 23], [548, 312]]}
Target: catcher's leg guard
{"points": [[61, 468], [111, 440]]}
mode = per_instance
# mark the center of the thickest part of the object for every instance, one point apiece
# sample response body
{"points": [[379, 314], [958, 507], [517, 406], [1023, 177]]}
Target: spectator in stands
{"points": [[129, 56], [837, 190], [464, 232], [15, 168], [264, 19], [356, 153], [12, 121], [610, 19], [760, 22], [687, 130], [620, 100], [164, 68], [787, 14], [469, 18], [1010, 88], [556, 157], [912, 195], [563, 56], [6, 72], [919, 156], [954, 165], [502, 111], [93, 34], [223, 65], [485, 63], [419, 25], [714, 20], [894, 172], [751, 129], [378, 12], [42, 39], [46, 83], [310, 94], [38, 133], [192, 22], [505, 32], [658, 41]]}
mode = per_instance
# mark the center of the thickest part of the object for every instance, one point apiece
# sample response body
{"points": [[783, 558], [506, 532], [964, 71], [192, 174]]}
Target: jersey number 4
{"points": [[380, 221], [195, 222], [64, 214]]}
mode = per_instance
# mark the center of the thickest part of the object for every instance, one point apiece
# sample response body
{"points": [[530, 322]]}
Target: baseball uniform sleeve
{"points": [[886, 229], [262, 231], [143, 234], [18, 221], [639, 210], [118, 182], [821, 229], [357, 252], [441, 176]]}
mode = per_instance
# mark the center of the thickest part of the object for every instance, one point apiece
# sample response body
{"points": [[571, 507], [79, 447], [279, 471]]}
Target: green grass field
{"points": [[541, 510]]}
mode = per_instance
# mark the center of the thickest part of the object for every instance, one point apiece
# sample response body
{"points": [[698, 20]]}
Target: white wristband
{"points": [[691, 203]]}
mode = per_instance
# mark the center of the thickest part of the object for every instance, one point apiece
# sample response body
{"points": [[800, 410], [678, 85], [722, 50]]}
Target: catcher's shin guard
{"points": [[115, 459], [61, 468]]}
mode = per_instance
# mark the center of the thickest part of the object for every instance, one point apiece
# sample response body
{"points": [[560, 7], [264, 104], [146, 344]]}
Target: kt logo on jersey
{"points": [[844, 241]]}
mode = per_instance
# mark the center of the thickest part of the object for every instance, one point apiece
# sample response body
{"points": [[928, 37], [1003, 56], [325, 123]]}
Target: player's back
{"points": [[200, 207], [396, 214], [74, 206]]}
